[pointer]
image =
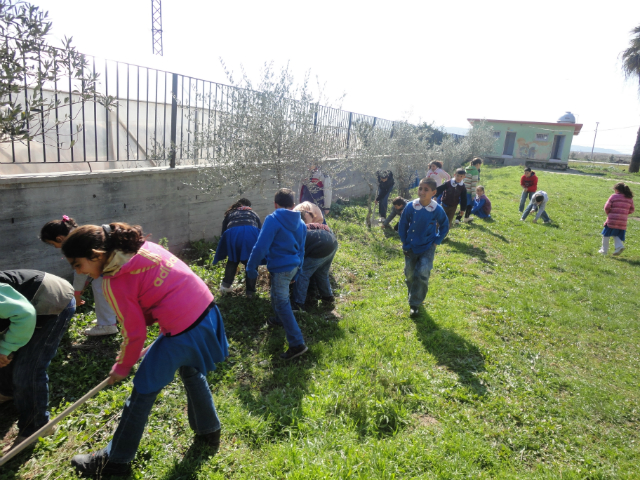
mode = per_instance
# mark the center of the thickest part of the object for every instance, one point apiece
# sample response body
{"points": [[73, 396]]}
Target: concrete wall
{"points": [[526, 145], [159, 199]]}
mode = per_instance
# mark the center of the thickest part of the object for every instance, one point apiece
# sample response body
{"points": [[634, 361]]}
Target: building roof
{"points": [[576, 126]]}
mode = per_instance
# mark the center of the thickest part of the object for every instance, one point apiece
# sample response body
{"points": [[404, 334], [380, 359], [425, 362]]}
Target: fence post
{"points": [[349, 129], [174, 119]]}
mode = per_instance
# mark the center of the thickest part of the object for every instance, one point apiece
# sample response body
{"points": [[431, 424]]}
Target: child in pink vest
{"points": [[618, 208], [146, 284]]}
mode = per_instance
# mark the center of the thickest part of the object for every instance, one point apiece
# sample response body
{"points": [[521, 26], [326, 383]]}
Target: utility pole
{"points": [[156, 26], [594, 140]]}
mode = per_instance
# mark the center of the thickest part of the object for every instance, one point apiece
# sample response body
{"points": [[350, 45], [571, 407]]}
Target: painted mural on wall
{"points": [[532, 148]]}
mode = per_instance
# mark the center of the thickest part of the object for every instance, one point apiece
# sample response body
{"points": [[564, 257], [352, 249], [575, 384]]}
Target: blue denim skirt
{"points": [[201, 348], [614, 232]]}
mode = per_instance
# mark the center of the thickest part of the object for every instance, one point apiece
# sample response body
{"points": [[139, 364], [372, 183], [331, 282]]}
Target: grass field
{"points": [[615, 171], [523, 364]]}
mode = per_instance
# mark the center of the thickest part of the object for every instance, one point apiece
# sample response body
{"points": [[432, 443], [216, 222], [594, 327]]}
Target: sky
{"points": [[440, 62]]}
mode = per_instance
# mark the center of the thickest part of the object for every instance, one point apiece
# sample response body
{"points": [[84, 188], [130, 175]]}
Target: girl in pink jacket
{"points": [[146, 284], [618, 208]]}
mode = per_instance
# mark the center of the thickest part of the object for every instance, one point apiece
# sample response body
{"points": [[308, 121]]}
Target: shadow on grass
{"points": [[626, 260], [278, 394], [470, 250], [191, 463], [452, 351], [482, 228]]}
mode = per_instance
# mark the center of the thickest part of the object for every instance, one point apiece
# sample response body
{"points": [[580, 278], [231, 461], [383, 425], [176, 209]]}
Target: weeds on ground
{"points": [[523, 363]]}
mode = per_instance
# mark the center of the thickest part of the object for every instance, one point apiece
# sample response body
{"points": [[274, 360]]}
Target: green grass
{"points": [[522, 365], [614, 171]]}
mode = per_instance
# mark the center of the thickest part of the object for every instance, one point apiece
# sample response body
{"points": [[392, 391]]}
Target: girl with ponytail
{"points": [[618, 208], [54, 233], [146, 284]]}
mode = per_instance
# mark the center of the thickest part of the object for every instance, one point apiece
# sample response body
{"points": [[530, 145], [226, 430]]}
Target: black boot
{"points": [[97, 463]]}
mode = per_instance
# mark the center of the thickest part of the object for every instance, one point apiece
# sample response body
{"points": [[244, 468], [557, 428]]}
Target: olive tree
{"points": [[38, 78]]}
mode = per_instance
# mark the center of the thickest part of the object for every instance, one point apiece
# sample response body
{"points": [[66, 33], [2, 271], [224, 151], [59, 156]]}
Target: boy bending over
{"points": [[423, 225]]}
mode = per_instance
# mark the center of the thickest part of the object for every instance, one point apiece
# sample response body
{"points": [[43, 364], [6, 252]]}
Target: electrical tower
{"points": [[156, 26]]}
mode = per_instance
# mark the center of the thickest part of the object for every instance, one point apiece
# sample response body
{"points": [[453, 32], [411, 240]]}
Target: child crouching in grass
{"points": [[423, 225], [481, 205]]}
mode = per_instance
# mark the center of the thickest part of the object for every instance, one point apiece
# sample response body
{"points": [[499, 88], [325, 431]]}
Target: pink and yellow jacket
{"points": [[151, 286], [618, 208]]}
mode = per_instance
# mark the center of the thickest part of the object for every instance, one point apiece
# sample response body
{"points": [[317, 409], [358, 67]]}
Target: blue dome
{"points": [[567, 118]]}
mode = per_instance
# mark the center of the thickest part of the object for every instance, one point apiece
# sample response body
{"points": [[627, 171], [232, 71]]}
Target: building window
{"points": [[496, 134], [542, 137]]}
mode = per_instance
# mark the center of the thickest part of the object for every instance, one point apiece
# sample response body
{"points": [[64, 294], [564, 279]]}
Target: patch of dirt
{"points": [[425, 420]]}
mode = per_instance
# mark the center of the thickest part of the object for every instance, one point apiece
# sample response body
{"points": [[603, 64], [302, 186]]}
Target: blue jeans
{"points": [[282, 306], [203, 417], [317, 268], [25, 378], [543, 215], [523, 198], [383, 204], [417, 269]]}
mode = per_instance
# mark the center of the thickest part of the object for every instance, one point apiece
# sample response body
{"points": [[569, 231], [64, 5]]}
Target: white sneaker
{"points": [[468, 219], [224, 289], [618, 251], [457, 221], [535, 221], [100, 330], [602, 252]]}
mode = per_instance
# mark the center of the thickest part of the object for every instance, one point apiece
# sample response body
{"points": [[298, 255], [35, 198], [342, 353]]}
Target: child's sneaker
{"points": [[98, 463], [100, 330], [457, 221], [468, 219], [413, 312], [535, 220], [618, 251], [250, 294], [294, 352], [296, 307], [602, 252], [224, 289]]}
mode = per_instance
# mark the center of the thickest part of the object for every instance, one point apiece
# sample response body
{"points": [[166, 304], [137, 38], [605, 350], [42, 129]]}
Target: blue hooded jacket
{"points": [[281, 241]]}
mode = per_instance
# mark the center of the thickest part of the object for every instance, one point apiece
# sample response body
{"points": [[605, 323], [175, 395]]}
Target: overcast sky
{"points": [[442, 61]]}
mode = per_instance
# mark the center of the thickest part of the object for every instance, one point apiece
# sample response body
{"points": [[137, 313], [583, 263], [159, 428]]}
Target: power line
{"points": [[618, 128]]}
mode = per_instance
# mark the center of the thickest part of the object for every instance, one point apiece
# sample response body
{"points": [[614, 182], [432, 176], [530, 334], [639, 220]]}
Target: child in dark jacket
{"points": [[423, 225], [398, 206], [320, 247], [529, 184], [35, 309], [240, 230], [481, 204], [454, 192], [385, 185], [281, 241]]}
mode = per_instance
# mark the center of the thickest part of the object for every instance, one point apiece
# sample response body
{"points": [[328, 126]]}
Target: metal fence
{"points": [[154, 110]]}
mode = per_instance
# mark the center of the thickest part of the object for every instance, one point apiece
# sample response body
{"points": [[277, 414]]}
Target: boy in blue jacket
{"points": [[423, 225], [281, 241]]}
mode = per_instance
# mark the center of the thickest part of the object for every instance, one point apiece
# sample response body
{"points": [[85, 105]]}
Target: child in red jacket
{"points": [[618, 208], [529, 184]]}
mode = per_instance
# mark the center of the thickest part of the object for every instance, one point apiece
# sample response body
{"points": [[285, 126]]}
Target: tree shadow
{"points": [[452, 352], [470, 250], [482, 228]]}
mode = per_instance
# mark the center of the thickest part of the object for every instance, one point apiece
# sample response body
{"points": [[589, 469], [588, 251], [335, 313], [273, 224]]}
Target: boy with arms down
{"points": [[281, 241], [423, 225], [454, 192]]}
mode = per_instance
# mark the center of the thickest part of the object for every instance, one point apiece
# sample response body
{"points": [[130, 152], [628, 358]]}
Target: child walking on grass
{"points": [[240, 230], [423, 225], [281, 241], [146, 284], [54, 233], [481, 205], [529, 184], [618, 208]]}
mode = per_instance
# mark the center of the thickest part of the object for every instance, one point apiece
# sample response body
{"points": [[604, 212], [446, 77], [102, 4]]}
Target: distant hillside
{"points": [[456, 130], [578, 148]]}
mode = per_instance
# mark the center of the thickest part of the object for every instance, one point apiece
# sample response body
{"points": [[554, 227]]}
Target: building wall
{"points": [[159, 199], [526, 145]]}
